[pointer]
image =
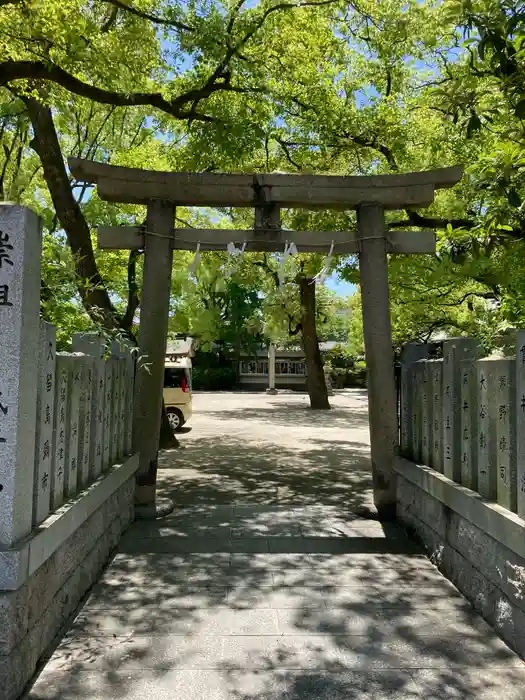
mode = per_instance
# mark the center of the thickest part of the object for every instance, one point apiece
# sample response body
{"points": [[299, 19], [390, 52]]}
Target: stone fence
{"points": [[461, 473], [67, 475], [84, 412], [465, 417]]}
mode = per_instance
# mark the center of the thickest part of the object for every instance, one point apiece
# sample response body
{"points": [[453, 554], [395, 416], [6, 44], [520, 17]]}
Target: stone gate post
{"points": [[377, 330], [20, 261]]}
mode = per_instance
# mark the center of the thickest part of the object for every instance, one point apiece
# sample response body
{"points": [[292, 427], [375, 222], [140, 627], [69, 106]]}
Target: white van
{"points": [[177, 391]]}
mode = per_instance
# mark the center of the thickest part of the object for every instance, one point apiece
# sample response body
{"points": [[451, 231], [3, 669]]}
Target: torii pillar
{"points": [[379, 353], [153, 332]]}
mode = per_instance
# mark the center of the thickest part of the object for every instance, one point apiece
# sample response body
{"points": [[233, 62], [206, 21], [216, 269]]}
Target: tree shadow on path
{"points": [[274, 580]]}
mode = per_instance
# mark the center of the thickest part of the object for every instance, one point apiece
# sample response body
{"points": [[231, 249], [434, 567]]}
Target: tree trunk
{"points": [[92, 290], [167, 439], [315, 380]]}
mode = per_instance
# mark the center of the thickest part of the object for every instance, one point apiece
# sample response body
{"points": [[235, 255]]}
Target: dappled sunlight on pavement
{"points": [[274, 580]]}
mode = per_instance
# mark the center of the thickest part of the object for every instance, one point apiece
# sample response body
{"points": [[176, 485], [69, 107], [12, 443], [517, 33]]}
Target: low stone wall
{"points": [[50, 571], [476, 544]]}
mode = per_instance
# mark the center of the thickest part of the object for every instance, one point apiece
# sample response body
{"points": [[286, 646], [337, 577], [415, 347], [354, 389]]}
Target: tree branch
{"points": [[374, 143], [265, 266], [287, 153], [298, 326], [133, 296], [145, 15], [415, 219], [39, 70], [110, 22]]}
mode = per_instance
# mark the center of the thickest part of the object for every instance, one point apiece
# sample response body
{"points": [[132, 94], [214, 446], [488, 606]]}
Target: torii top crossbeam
{"points": [[370, 196], [136, 186]]}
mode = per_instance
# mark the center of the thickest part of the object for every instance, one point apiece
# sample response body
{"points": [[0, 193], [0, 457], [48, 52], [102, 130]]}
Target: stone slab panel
{"points": [[455, 351], [426, 414], [122, 407], [62, 390], [86, 455], [417, 392], [411, 353], [506, 433], [129, 400], [72, 461], [45, 410], [119, 351], [520, 422], [91, 344], [107, 443], [435, 382], [114, 410], [487, 430], [469, 424]]}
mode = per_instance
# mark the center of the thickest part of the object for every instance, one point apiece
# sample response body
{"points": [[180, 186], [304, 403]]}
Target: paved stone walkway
{"points": [[273, 581]]}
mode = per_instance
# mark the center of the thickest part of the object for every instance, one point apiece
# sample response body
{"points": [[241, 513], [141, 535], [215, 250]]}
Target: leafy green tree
{"points": [[220, 305]]}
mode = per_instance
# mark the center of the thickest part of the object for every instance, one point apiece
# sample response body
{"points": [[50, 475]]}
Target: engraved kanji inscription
{"points": [[4, 295], [5, 248]]}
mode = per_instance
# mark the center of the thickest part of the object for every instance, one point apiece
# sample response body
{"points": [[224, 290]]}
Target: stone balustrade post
{"points": [[20, 262]]}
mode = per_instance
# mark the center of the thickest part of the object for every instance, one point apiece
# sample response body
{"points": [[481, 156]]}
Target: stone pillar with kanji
{"points": [[20, 261]]}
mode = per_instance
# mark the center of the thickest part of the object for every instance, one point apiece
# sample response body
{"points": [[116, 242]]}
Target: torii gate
{"points": [[370, 196]]}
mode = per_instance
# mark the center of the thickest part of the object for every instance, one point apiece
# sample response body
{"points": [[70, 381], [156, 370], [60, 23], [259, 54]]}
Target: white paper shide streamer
{"points": [[235, 256], [289, 250], [192, 269], [323, 274]]}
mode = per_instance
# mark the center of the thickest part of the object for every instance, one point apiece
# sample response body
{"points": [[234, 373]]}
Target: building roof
{"points": [[180, 347]]}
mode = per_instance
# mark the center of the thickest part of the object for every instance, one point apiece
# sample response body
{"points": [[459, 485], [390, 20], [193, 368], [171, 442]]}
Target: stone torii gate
{"points": [[267, 194]]}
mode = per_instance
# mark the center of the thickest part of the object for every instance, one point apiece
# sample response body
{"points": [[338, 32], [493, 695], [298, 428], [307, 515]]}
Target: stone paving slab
{"points": [[469, 684], [335, 652], [284, 685], [301, 617], [347, 685], [232, 685], [273, 580], [314, 651]]}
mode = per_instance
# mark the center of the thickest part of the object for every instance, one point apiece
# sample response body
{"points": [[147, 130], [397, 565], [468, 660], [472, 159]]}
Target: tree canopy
{"points": [[324, 86]]}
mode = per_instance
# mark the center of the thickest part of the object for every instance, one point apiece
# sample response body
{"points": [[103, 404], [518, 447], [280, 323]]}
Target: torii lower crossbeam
{"points": [[269, 241]]}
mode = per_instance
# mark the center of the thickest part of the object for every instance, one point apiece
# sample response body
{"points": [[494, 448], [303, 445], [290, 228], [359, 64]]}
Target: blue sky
{"points": [[339, 286]]}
